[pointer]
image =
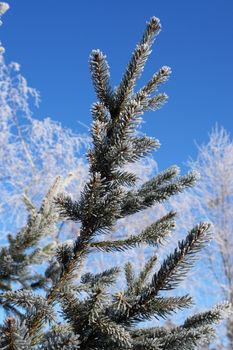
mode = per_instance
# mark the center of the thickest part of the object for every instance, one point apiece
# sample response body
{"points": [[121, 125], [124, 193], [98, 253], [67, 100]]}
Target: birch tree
{"points": [[212, 199]]}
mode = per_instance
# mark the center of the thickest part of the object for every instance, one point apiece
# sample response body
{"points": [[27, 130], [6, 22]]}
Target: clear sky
{"points": [[52, 41]]}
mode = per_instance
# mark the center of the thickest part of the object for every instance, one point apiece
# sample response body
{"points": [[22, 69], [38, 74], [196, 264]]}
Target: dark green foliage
{"points": [[62, 339], [13, 336], [25, 249], [93, 315]]}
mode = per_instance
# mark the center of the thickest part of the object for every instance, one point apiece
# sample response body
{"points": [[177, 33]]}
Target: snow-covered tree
{"points": [[32, 151], [212, 199]]}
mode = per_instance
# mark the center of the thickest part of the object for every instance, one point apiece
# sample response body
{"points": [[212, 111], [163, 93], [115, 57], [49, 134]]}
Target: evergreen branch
{"points": [[124, 178], [105, 327], [37, 309], [39, 223], [159, 308], [137, 62], [99, 205], [15, 258], [60, 338], [129, 116], [99, 135], [209, 317], [117, 333], [140, 103], [129, 276], [155, 233], [127, 152], [104, 278], [153, 192], [65, 276], [126, 124], [176, 265], [172, 271], [187, 339], [67, 208], [10, 309], [100, 77], [137, 106], [128, 309], [97, 209], [145, 274], [93, 199], [164, 177], [141, 146], [29, 205], [175, 338], [155, 102], [73, 310], [161, 193], [152, 235], [158, 78], [100, 112], [13, 336], [25, 299], [147, 344], [149, 333], [89, 318]]}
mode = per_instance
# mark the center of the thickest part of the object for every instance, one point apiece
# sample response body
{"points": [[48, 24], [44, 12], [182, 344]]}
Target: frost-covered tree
{"points": [[32, 151], [93, 312], [212, 198]]}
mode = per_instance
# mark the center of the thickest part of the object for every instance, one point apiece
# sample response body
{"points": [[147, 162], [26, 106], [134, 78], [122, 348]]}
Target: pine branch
{"points": [[176, 265], [68, 209], [152, 235], [137, 62], [15, 259], [147, 344], [39, 223], [187, 339], [13, 336], [164, 307], [155, 191], [127, 309], [145, 274], [105, 278], [210, 317], [129, 276], [149, 333], [158, 78], [38, 311], [118, 334], [172, 271], [100, 76], [93, 199], [97, 209], [175, 338], [60, 338], [124, 178]]}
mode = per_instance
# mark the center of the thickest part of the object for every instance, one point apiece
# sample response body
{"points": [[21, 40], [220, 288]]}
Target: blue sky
{"points": [[52, 41]]}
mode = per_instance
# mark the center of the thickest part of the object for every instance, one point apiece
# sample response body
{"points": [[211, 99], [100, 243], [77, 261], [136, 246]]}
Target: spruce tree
{"points": [[72, 310]]}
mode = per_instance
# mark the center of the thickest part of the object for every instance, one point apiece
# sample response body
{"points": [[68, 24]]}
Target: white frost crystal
{"points": [[3, 8]]}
